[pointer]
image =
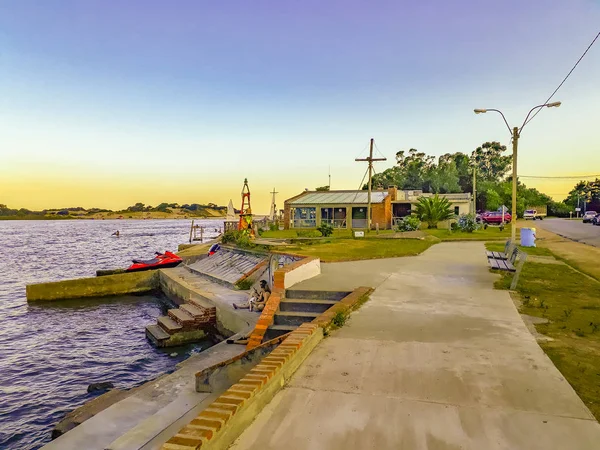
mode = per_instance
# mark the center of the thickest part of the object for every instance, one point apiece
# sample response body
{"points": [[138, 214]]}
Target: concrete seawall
{"points": [[120, 284]]}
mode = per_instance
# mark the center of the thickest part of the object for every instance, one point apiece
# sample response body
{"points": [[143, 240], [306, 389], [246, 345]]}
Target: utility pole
{"points": [[513, 219], [475, 190], [273, 206], [370, 160]]}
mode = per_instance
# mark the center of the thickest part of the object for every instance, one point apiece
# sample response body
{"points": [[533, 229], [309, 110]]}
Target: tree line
{"points": [[453, 173], [138, 207]]}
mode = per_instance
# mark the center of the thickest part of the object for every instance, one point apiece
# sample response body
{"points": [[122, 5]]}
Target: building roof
{"points": [[337, 198]]}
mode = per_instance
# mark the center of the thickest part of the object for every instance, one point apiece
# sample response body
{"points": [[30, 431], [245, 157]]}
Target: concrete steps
{"points": [[156, 334], [181, 317], [300, 306], [168, 324], [294, 318], [304, 305], [192, 310], [277, 330], [315, 295]]}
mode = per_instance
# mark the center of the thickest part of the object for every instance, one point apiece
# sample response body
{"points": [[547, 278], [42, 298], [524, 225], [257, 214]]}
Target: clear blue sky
{"points": [[98, 98]]}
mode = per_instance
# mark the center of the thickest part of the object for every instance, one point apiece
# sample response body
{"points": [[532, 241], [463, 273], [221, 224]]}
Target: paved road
{"points": [[572, 229], [436, 360]]}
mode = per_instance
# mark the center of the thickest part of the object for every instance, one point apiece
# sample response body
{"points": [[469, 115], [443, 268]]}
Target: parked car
{"points": [[532, 214], [588, 216], [596, 220], [495, 217]]}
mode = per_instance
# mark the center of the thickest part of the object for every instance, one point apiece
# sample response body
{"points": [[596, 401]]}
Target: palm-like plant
{"points": [[433, 210]]}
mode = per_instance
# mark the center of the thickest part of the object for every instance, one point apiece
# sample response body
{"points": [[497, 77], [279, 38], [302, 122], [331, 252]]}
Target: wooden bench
{"points": [[500, 255], [514, 264]]}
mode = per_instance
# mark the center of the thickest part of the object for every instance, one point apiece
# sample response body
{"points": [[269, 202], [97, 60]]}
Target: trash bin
{"points": [[528, 237]]}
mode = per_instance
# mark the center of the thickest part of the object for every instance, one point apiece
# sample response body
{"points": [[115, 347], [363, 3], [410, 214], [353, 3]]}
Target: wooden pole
{"points": [[370, 160], [191, 229]]}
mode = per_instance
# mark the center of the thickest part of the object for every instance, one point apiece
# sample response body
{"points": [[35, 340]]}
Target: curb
{"points": [[228, 416]]}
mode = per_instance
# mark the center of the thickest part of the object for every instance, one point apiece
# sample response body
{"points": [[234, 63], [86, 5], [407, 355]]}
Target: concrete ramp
{"points": [[228, 266]]}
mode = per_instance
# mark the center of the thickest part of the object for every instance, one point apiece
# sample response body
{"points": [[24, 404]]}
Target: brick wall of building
{"points": [[381, 213]]}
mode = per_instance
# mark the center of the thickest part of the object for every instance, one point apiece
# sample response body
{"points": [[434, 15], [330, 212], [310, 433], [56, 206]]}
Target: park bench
{"points": [[514, 263], [501, 255]]}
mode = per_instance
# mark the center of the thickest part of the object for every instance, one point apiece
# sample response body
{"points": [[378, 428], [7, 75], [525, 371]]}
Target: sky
{"points": [[108, 103]]}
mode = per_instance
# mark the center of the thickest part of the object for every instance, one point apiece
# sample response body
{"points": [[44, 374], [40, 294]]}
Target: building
{"points": [[348, 209]]}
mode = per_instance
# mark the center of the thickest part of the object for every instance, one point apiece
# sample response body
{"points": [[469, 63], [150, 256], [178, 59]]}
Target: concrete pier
{"points": [[119, 284]]}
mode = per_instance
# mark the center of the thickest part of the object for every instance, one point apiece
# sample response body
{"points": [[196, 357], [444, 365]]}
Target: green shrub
{"points": [[325, 229], [308, 233], [244, 284], [467, 223], [229, 237], [339, 319], [273, 227], [433, 210], [243, 240], [409, 223]]}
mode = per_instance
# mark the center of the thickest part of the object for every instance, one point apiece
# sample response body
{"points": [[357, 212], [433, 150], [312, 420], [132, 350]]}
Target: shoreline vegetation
{"points": [[137, 211]]}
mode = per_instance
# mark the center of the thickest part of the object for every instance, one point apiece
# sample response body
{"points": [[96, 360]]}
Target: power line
{"points": [[570, 177], [563, 81]]}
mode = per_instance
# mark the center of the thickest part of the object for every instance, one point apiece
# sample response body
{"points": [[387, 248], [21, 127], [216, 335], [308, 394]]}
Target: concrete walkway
{"points": [[436, 359]]}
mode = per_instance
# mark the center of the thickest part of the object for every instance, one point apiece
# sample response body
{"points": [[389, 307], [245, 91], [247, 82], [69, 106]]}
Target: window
{"points": [[456, 210], [305, 218]]}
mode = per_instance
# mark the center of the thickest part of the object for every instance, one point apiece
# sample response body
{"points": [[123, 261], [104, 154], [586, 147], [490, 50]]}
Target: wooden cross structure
{"points": [[273, 206], [370, 160]]}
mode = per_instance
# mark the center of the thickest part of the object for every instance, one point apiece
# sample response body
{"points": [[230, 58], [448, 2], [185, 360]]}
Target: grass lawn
{"points": [[337, 233], [537, 251], [571, 301], [491, 233], [332, 250]]}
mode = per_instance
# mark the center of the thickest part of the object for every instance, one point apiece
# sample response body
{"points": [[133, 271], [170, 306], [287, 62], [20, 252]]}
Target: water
{"points": [[49, 353]]}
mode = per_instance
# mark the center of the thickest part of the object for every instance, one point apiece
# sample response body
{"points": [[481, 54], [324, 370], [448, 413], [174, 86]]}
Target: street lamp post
{"points": [[515, 134]]}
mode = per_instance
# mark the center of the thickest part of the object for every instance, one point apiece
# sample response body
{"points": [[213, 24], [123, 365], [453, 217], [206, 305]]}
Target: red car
{"points": [[495, 217]]}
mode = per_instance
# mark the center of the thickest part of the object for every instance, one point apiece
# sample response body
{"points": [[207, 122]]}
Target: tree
{"points": [[322, 188], [163, 207], [137, 207], [491, 164], [464, 169], [433, 210], [585, 193], [442, 178]]}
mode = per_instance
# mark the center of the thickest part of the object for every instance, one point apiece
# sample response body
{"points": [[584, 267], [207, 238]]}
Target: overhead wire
{"points": [[360, 185], [563, 81], [568, 177]]}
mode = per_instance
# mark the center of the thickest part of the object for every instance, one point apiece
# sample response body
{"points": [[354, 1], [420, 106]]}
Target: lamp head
{"points": [[553, 104], [480, 111]]}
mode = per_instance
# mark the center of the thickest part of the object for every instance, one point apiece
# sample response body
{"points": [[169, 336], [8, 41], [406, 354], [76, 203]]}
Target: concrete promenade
{"points": [[437, 359]]}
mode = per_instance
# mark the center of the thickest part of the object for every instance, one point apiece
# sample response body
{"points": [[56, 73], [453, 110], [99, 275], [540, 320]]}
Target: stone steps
{"points": [[277, 330], [181, 317], [315, 295], [192, 310], [294, 318], [156, 335], [168, 324], [304, 305]]}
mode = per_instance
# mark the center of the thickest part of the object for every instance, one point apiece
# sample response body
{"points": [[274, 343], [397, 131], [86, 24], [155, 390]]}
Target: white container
{"points": [[528, 237]]}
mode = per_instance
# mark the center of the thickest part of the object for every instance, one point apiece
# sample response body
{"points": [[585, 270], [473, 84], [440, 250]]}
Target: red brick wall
{"points": [[381, 213]]}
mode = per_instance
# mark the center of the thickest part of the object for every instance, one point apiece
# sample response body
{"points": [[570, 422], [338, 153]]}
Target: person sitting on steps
{"points": [[258, 300]]}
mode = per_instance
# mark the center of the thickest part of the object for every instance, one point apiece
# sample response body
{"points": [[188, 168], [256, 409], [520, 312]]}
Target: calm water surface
{"points": [[50, 353]]}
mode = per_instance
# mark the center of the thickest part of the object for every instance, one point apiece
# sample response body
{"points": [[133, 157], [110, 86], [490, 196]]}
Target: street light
{"points": [[516, 134]]}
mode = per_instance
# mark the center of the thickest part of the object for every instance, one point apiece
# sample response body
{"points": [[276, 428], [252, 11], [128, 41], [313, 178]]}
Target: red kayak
{"points": [[162, 261]]}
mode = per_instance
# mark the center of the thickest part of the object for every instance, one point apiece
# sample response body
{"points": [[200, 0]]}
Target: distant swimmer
{"points": [[116, 233]]}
